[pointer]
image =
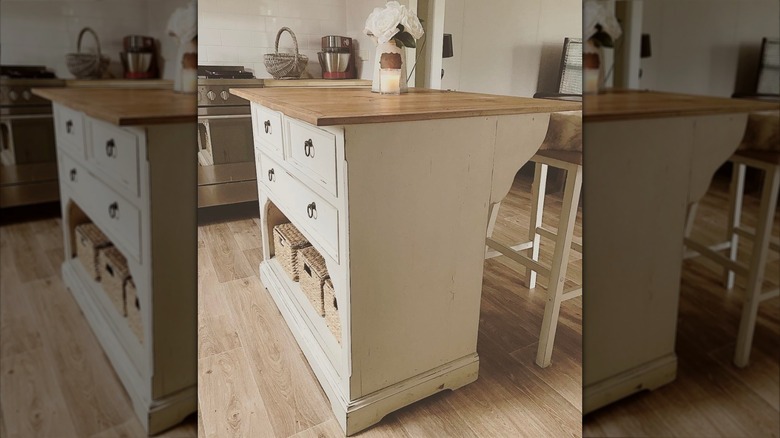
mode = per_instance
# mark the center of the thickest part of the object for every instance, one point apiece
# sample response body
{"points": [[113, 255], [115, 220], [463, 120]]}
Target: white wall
{"points": [[240, 32], [507, 46], [43, 32], [699, 46]]}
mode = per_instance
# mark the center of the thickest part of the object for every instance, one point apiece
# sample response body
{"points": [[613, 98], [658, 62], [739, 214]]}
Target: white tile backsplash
{"points": [[43, 32], [242, 31]]}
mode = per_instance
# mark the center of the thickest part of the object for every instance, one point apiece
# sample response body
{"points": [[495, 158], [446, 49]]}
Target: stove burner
{"points": [[26, 72], [224, 72]]}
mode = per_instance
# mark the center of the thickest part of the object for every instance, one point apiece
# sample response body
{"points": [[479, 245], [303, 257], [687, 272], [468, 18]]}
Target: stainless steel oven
{"points": [[226, 171], [28, 158]]}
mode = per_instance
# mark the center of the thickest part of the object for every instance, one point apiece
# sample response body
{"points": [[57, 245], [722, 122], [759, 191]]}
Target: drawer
{"points": [[316, 215], [314, 151], [76, 178], [117, 217], [267, 129], [274, 177], [308, 210], [69, 129], [115, 153]]}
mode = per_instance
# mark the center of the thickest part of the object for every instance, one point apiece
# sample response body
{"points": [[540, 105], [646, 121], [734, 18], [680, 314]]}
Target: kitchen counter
{"points": [[125, 106], [649, 156], [329, 106], [136, 184], [161, 84], [399, 213], [635, 104]]}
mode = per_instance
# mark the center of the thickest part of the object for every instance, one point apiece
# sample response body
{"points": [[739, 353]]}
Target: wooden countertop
{"points": [[327, 83], [162, 84], [126, 107], [635, 104], [347, 106]]}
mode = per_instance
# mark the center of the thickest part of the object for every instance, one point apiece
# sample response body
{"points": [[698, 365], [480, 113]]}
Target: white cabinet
{"points": [[399, 212], [137, 184]]}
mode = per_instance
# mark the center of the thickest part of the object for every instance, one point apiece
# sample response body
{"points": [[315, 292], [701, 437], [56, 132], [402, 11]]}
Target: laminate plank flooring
{"points": [[711, 397], [55, 379], [512, 397]]}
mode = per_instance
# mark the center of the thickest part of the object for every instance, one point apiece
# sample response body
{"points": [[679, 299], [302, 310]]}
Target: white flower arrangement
{"points": [[600, 25], [394, 22]]}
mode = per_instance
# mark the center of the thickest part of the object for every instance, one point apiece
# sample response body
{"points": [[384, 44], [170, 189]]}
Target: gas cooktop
{"points": [[224, 72]]}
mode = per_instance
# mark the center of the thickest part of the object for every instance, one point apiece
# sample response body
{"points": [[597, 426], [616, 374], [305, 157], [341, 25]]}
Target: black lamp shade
{"points": [[446, 51], [646, 52]]}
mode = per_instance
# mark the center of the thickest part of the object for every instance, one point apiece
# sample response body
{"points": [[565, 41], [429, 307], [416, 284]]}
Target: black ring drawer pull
{"points": [[311, 210], [270, 175], [267, 125], [73, 175], [111, 148], [68, 126], [308, 148], [113, 210]]}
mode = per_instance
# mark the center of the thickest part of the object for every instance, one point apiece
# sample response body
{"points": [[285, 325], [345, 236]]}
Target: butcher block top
{"points": [[636, 104], [328, 106], [126, 107]]}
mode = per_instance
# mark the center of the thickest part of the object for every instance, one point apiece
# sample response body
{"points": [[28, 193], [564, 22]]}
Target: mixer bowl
{"points": [[137, 62], [333, 62]]}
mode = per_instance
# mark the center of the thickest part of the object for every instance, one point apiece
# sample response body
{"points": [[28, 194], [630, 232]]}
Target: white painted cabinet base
{"points": [[366, 411]]}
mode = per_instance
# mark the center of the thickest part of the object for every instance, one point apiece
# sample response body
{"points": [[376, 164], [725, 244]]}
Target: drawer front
{"points": [[314, 151], [118, 218], [69, 130], [115, 152], [316, 215], [274, 177], [267, 129], [76, 178]]}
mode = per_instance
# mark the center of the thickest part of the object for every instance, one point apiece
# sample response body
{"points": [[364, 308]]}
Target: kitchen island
{"points": [[649, 156], [394, 192], [126, 161]]}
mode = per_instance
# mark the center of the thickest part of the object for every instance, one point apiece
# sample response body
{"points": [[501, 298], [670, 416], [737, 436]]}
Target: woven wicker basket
{"points": [[285, 65], [87, 65], [287, 241], [113, 274], [331, 309], [133, 307], [313, 275], [89, 241]]}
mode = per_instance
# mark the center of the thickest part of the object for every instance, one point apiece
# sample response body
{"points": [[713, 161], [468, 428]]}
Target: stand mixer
{"points": [[337, 58]]}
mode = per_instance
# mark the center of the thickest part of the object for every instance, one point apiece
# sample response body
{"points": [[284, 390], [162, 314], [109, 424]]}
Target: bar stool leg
{"points": [[690, 218], [747, 323], [492, 216], [560, 262], [737, 192], [537, 210]]}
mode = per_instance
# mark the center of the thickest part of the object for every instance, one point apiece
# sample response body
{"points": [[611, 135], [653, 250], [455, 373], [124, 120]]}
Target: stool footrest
{"points": [[716, 257], [750, 233], [772, 293], [552, 235], [519, 247], [572, 293], [689, 254], [519, 258]]}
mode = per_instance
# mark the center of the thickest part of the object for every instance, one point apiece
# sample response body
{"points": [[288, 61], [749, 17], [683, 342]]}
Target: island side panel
{"points": [[418, 205], [637, 175], [172, 163]]}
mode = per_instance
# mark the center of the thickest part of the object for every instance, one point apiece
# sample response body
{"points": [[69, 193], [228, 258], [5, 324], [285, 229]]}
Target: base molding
{"points": [[648, 376]]}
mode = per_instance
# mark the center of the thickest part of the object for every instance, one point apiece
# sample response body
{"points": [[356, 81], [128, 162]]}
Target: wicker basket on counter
{"points": [[331, 309], [287, 241], [113, 275], [285, 65], [87, 65], [133, 308]]}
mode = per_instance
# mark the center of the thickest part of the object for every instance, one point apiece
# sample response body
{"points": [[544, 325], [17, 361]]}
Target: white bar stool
{"points": [[754, 152], [562, 149]]}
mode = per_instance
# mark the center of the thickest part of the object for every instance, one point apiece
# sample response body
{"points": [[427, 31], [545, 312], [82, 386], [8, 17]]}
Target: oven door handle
{"points": [[12, 117], [232, 116]]}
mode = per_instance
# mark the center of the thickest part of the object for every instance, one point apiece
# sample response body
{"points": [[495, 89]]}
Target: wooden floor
{"points": [[55, 379], [711, 397], [254, 380]]}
